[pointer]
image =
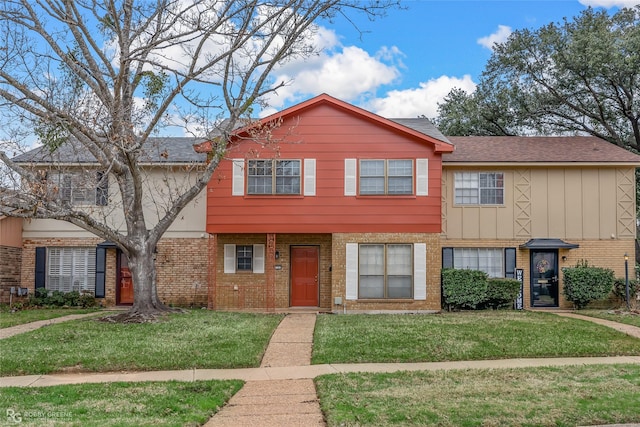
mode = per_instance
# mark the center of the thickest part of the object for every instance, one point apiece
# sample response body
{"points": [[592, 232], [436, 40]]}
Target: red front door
{"points": [[125, 282], [304, 276]]}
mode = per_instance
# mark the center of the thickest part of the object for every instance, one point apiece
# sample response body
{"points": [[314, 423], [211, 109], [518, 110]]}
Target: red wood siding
{"points": [[329, 135]]}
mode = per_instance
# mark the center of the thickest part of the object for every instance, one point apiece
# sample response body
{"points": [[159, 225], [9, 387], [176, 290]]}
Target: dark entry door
{"points": [[124, 294], [304, 276], [544, 278]]}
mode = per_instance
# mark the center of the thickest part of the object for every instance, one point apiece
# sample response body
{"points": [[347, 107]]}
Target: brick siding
{"points": [[181, 269], [434, 263], [598, 253], [10, 267]]}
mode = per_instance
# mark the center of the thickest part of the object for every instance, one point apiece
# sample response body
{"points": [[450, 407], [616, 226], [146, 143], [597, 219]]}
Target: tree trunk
{"points": [[147, 307]]}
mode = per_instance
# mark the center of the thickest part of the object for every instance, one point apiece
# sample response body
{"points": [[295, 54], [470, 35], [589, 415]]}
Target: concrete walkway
{"points": [[631, 330], [281, 391], [27, 327]]}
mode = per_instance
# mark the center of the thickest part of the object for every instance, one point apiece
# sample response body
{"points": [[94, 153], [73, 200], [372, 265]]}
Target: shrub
{"points": [[463, 288], [43, 298], [86, 300], [502, 293], [583, 284], [619, 290]]}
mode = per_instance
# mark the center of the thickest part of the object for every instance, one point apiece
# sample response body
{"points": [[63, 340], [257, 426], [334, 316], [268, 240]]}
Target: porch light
{"points": [[277, 254]]}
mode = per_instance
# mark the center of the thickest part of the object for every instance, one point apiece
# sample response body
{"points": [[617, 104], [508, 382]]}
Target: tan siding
{"points": [[572, 203], [556, 190], [554, 202], [590, 205], [539, 203], [607, 188]]}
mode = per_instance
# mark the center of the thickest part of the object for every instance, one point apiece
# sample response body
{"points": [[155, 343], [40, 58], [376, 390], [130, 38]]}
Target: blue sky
{"points": [[402, 65]]}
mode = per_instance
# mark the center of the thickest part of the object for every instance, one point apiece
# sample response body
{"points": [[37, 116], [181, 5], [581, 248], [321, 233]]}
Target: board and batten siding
{"points": [[323, 137], [586, 202]]}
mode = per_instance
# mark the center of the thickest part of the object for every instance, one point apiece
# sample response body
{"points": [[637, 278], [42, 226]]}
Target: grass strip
{"points": [[117, 404], [620, 316], [195, 339], [462, 336], [8, 318], [558, 396]]}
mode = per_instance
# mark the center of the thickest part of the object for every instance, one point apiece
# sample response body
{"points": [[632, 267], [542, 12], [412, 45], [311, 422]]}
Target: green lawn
{"points": [[117, 404], [621, 316], [196, 339], [462, 336], [8, 319], [562, 396]]}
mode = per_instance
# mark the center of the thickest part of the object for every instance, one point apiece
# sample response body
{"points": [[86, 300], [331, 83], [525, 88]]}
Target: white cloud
{"points": [[500, 36], [610, 3], [347, 74], [419, 101]]}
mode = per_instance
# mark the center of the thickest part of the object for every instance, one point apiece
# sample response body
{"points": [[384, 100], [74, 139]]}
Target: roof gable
{"points": [[421, 129]]}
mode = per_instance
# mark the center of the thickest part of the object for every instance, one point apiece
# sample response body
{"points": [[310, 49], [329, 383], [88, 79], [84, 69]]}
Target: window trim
{"points": [[64, 185], [508, 259], [386, 275], [386, 177], [86, 254], [478, 188], [230, 262], [274, 177]]}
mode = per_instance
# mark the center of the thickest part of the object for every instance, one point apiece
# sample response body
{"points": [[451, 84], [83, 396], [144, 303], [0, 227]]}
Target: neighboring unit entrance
{"points": [[544, 278], [304, 276], [124, 294]]}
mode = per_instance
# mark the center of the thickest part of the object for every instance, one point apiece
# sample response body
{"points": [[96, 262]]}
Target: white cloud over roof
{"points": [[420, 101]]}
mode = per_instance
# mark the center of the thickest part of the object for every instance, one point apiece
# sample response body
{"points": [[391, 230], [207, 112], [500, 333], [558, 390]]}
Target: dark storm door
{"points": [[544, 278], [124, 294], [304, 276]]}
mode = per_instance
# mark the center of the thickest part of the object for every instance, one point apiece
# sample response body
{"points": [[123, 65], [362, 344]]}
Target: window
{"points": [[479, 188], [273, 177], [391, 177], [489, 260], [81, 188], [386, 271], [244, 258], [71, 269]]}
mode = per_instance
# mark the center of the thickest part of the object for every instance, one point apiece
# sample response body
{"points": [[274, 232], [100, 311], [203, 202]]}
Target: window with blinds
{"points": [[71, 269]]}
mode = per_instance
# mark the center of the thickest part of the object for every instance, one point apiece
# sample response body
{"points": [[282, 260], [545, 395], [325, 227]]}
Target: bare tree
{"points": [[103, 77]]}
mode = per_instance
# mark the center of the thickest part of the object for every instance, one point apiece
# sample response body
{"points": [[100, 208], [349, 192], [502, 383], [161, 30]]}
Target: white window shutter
{"points": [[352, 271], [237, 183], [309, 177], [258, 258], [230, 258], [420, 271], [422, 177], [350, 177]]}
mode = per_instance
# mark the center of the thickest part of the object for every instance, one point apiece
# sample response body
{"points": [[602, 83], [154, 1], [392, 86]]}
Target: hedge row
{"points": [[472, 289]]}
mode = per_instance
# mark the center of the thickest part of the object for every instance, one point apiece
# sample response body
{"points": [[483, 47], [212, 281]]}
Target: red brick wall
{"points": [[248, 291], [181, 269], [434, 265], [10, 266]]}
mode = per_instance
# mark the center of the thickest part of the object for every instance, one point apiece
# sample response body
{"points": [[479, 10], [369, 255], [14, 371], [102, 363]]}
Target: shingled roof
{"points": [[536, 149], [155, 150]]}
